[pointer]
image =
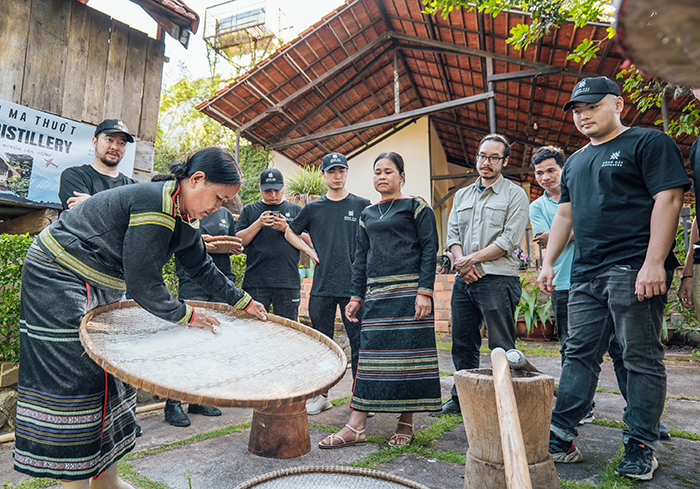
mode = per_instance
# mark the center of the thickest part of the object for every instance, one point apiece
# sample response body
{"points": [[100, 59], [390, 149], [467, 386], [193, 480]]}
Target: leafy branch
{"points": [[551, 14]]}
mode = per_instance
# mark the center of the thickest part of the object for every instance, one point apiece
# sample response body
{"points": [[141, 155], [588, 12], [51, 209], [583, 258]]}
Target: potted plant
{"points": [[533, 313], [306, 185]]}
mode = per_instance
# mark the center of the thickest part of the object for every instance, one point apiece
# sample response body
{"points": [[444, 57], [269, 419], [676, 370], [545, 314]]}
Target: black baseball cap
{"points": [[592, 90], [333, 159], [271, 179], [111, 126]]}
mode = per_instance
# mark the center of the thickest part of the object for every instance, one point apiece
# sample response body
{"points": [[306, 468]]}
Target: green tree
{"points": [[550, 14], [182, 130]]}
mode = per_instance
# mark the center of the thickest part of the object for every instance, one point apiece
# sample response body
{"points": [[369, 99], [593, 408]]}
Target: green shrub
{"points": [[13, 249], [172, 283], [307, 181], [238, 263]]}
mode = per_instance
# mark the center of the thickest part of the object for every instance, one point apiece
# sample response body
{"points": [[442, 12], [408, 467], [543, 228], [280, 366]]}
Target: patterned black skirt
{"points": [[398, 366], [73, 419]]}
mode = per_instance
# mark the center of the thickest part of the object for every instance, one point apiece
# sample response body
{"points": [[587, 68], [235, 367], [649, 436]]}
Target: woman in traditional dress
{"points": [[75, 421], [392, 278]]}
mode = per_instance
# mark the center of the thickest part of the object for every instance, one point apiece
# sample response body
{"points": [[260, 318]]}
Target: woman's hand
{"points": [[685, 292], [258, 310], [205, 320], [423, 306], [350, 311]]}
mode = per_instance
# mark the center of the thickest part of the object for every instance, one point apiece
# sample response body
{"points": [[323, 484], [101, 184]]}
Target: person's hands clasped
{"points": [[423, 307], [466, 268], [258, 310], [351, 310], [685, 292], [205, 320]]}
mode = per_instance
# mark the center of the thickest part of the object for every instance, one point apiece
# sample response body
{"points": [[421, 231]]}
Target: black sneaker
{"points": [[450, 407], [638, 461], [174, 415], [664, 434], [203, 410], [563, 452]]}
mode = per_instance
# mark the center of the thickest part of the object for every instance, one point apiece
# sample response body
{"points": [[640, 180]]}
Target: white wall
{"points": [[283, 164], [412, 144]]}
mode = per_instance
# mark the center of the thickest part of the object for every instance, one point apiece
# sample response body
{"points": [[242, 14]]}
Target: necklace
{"points": [[382, 214], [177, 203]]}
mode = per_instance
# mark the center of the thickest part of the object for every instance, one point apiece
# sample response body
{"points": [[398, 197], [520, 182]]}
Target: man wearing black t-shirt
{"points": [[271, 276], [332, 223], [621, 194], [78, 183]]}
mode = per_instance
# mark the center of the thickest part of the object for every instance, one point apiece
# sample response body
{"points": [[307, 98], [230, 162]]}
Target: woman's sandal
{"points": [[343, 443], [401, 439]]}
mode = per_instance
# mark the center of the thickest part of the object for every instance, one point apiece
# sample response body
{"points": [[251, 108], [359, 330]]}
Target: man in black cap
{"points": [[78, 183], [271, 276], [332, 223], [621, 195]]}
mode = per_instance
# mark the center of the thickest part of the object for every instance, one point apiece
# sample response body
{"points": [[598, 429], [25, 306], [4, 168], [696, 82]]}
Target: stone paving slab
{"points": [[224, 461]]}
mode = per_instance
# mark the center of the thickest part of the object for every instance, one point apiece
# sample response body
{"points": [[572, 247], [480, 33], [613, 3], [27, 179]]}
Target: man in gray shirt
{"points": [[487, 223]]}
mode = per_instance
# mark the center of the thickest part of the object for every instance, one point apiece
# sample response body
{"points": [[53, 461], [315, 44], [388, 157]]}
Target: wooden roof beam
{"points": [[467, 51], [327, 100], [321, 79], [517, 75], [433, 109]]}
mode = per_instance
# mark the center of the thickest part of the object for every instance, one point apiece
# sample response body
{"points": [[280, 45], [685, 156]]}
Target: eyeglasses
{"points": [[480, 158]]}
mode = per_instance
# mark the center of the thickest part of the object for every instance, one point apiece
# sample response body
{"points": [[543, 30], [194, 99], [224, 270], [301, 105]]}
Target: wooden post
{"points": [[514, 458]]}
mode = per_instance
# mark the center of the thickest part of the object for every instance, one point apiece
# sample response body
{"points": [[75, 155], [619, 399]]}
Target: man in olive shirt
{"points": [[486, 224]]}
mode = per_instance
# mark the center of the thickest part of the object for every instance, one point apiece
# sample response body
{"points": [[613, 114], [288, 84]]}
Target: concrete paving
{"points": [[224, 461]]}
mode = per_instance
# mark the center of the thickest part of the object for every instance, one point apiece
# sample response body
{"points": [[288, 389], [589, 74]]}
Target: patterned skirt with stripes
{"points": [[73, 419], [398, 366]]}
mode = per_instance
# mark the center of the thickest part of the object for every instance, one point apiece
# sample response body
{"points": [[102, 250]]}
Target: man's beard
{"points": [[109, 163]]}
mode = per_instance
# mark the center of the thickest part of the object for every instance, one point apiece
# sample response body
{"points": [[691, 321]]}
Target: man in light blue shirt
{"points": [[548, 162]]}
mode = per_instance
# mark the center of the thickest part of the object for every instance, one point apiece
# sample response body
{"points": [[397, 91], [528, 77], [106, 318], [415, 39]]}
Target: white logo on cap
{"points": [[270, 175], [582, 83]]}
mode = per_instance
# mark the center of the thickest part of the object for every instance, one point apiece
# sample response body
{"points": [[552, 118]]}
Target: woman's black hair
{"points": [[217, 164], [395, 158]]}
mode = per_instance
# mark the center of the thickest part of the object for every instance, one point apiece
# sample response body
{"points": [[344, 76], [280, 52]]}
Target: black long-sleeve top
{"points": [[121, 238], [396, 242]]}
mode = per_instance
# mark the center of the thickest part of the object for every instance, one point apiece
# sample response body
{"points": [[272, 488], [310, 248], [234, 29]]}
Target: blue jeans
{"points": [[492, 300], [560, 301], [598, 309]]}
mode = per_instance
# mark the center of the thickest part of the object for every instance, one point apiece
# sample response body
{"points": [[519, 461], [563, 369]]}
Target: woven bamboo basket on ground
{"points": [[248, 363], [329, 477]]}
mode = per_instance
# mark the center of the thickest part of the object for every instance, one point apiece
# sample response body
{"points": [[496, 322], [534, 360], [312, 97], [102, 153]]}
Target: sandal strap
{"points": [[356, 431], [332, 437], [404, 423]]}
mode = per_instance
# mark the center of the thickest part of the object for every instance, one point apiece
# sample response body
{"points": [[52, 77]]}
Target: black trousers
{"points": [[322, 314], [285, 302]]}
